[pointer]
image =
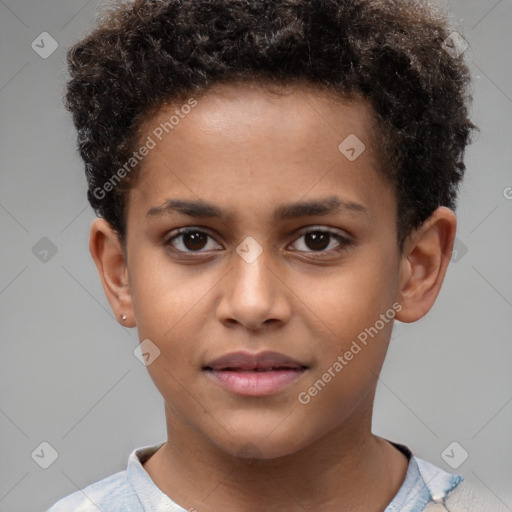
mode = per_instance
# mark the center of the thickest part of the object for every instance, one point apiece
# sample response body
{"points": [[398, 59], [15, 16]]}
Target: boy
{"points": [[275, 181]]}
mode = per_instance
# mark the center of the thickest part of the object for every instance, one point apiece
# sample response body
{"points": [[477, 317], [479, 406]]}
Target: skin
{"points": [[248, 152]]}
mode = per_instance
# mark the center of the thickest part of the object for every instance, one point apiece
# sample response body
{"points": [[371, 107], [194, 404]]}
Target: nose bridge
{"points": [[251, 274], [253, 294]]}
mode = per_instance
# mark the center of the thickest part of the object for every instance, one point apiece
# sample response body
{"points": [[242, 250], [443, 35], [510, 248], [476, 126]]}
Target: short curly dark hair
{"points": [[391, 53]]}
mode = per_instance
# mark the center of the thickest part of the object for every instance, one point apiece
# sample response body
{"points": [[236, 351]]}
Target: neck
{"points": [[361, 474]]}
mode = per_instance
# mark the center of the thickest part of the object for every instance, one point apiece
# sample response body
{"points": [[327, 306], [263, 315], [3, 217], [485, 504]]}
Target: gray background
{"points": [[68, 374]]}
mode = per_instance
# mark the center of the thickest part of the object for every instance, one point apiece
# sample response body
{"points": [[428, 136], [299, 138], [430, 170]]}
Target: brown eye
{"points": [[318, 240], [189, 240], [194, 240]]}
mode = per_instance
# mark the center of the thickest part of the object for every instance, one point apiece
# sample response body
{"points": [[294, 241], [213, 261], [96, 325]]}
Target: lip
{"points": [[259, 374], [253, 361]]}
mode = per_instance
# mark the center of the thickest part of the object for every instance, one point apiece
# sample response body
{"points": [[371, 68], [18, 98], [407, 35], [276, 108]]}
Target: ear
{"points": [[108, 255], [427, 252]]}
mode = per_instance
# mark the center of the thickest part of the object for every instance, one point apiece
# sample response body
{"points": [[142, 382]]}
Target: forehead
{"points": [[242, 110], [261, 144]]}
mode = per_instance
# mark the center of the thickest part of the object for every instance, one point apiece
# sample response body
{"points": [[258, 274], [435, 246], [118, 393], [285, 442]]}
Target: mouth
{"points": [[260, 374]]}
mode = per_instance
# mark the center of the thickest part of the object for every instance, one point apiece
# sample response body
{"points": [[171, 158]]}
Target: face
{"points": [[251, 275], [257, 272]]}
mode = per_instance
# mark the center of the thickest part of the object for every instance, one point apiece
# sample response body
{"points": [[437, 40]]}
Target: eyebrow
{"points": [[201, 209]]}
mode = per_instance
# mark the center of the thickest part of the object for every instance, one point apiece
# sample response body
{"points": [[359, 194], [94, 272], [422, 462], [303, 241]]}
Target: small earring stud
{"points": [[123, 317]]}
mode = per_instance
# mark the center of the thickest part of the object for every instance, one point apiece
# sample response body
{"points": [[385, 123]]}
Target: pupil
{"points": [[317, 240], [195, 237], [320, 239]]}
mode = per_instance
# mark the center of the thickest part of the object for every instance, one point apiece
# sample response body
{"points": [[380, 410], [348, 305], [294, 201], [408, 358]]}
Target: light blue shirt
{"points": [[133, 490]]}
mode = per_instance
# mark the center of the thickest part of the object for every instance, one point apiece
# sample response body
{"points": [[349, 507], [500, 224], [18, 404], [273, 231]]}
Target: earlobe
{"points": [[424, 262], [108, 255]]}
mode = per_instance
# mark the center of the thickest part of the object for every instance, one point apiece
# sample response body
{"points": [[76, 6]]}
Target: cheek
{"points": [[165, 295], [349, 299], [349, 304]]}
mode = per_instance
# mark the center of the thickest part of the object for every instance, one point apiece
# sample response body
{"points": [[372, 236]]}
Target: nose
{"points": [[253, 295]]}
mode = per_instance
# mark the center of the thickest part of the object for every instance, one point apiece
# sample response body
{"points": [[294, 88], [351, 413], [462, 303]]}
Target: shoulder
{"points": [[449, 492], [439, 482], [111, 494], [466, 497]]}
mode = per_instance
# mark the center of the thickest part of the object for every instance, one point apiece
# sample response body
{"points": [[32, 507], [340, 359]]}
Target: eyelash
{"points": [[345, 243]]}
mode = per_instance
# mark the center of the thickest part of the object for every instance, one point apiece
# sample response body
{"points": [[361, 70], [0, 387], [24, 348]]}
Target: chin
{"points": [[260, 445]]}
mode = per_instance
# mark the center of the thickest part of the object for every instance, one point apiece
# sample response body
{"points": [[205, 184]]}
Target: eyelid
{"points": [[344, 239], [175, 233], [325, 229]]}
